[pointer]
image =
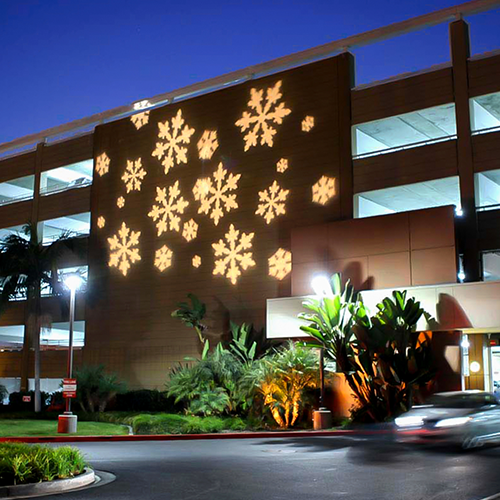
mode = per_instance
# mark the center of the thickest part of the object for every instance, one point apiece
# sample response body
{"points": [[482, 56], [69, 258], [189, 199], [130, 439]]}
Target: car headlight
{"points": [[453, 422], [409, 421]]}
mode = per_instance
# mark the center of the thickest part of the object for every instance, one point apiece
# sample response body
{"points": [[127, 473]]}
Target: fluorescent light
{"points": [[453, 422]]}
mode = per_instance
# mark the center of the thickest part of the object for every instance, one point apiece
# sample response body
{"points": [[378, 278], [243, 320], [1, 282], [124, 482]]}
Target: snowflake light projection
{"points": [[282, 166], [163, 258], [133, 176], [190, 230], [170, 151], [122, 249], [166, 214], [214, 196], [264, 114], [232, 254], [196, 261], [101, 222], [280, 264], [272, 202], [102, 164], [140, 119], [307, 123], [323, 190], [120, 202], [207, 144]]}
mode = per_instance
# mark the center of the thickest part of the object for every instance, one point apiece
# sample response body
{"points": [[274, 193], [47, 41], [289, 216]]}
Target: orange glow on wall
{"points": [[163, 258], [140, 119], [207, 144], [123, 251], [101, 222], [265, 114], [172, 150], [214, 196], [120, 202], [307, 124], [282, 166], [233, 258], [196, 261], [102, 164], [190, 230], [280, 264], [272, 202], [323, 190], [133, 175], [166, 213]]}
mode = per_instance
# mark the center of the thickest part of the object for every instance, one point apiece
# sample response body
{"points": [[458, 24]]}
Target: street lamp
{"points": [[67, 423]]}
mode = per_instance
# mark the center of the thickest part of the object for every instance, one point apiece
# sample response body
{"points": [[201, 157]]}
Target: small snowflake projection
{"points": [[214, 196], [307, 123], [102, 164], [122, 249], [282, 166], [170, 150], [166, 214], [232, 254], [190, 230], [120, 202], [163, 258], [323, 190], [196, 261], [208, 144], [266, 112], [280, 264], [140, 119], [134, 175], [272, 202], [101, 222]]}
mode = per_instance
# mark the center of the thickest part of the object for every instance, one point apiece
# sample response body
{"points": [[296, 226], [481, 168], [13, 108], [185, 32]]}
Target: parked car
{"points": [[466, 418]]}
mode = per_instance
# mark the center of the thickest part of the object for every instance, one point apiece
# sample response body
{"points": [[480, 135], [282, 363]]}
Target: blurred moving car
{"points": [[466, 418]]}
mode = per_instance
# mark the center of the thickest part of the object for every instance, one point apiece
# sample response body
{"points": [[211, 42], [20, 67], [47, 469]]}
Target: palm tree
{"points": [[26, 268]]}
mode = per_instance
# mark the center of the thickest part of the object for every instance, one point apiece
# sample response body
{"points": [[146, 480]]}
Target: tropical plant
{"points": [[192, 316], [96, 388], [26, 268], [282, 379], [210, 402]]}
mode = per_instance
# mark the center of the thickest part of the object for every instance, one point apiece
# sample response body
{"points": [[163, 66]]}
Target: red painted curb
{"points": [[188, 437]]}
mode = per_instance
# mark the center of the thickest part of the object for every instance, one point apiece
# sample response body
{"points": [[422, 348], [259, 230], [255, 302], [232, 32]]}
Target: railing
{"points": [[405, 146], [16, 199], [486, 130], [61, 189], [488, 207]]}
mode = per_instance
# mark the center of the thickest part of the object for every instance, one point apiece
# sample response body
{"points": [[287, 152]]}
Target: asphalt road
{"points": [[278, 468]]}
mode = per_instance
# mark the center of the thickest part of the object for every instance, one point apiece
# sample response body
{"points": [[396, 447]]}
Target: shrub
{"points": [[16, 402], [21, 463], [4, 393], [144, 400]]}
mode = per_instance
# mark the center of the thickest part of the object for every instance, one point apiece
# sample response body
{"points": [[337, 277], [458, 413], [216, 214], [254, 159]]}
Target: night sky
{"points": [[67, 59]]}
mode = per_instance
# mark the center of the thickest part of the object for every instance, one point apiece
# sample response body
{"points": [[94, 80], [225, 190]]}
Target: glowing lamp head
{"points": [[321, 286], [465, 343], [475, 367], [461, 276], [73, 281], [459, 212]]}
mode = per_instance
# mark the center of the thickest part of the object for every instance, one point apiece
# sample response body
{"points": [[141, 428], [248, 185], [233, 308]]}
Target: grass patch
{"points": [[15, 428], [22, 464]]}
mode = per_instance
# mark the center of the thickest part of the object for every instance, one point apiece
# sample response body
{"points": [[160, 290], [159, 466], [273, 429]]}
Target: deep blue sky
{"points": [[66, 59]]}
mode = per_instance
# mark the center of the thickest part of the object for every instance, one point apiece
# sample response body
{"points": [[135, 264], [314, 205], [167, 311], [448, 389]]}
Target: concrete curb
{"points": [[48, 487], [188, 437]]}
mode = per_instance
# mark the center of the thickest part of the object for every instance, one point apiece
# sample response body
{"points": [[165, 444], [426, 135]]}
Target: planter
{"points": [[48, 487]]}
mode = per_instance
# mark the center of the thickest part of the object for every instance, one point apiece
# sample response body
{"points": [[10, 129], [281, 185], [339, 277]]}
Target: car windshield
{"points": [[462, 400]]}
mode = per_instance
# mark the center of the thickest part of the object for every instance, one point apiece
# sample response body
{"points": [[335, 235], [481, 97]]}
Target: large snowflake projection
{"points": [[101, 222], [233, 258], [196, 261], [282, 165], [102, 164], [307, 124], [163, 258], [272, 202], [134, 175], [123, 251], [190, 230], [140, 119], [208, 144], [214, 196], [120, 202], [166, 213], [280, 263], [264, 115], [170, 150], [323, 190]]}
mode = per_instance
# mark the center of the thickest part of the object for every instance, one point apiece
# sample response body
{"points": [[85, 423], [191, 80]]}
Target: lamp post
{"points": [[67, 422]]}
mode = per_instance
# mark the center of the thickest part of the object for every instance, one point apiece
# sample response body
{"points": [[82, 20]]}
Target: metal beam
{"points": [[273, 66]]}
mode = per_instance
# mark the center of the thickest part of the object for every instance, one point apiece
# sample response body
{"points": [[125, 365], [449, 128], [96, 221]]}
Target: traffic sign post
{"points": [[69, 388]]}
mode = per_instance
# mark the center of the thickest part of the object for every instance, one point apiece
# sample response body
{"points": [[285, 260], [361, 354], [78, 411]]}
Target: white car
{"points": [[468, 419]]}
